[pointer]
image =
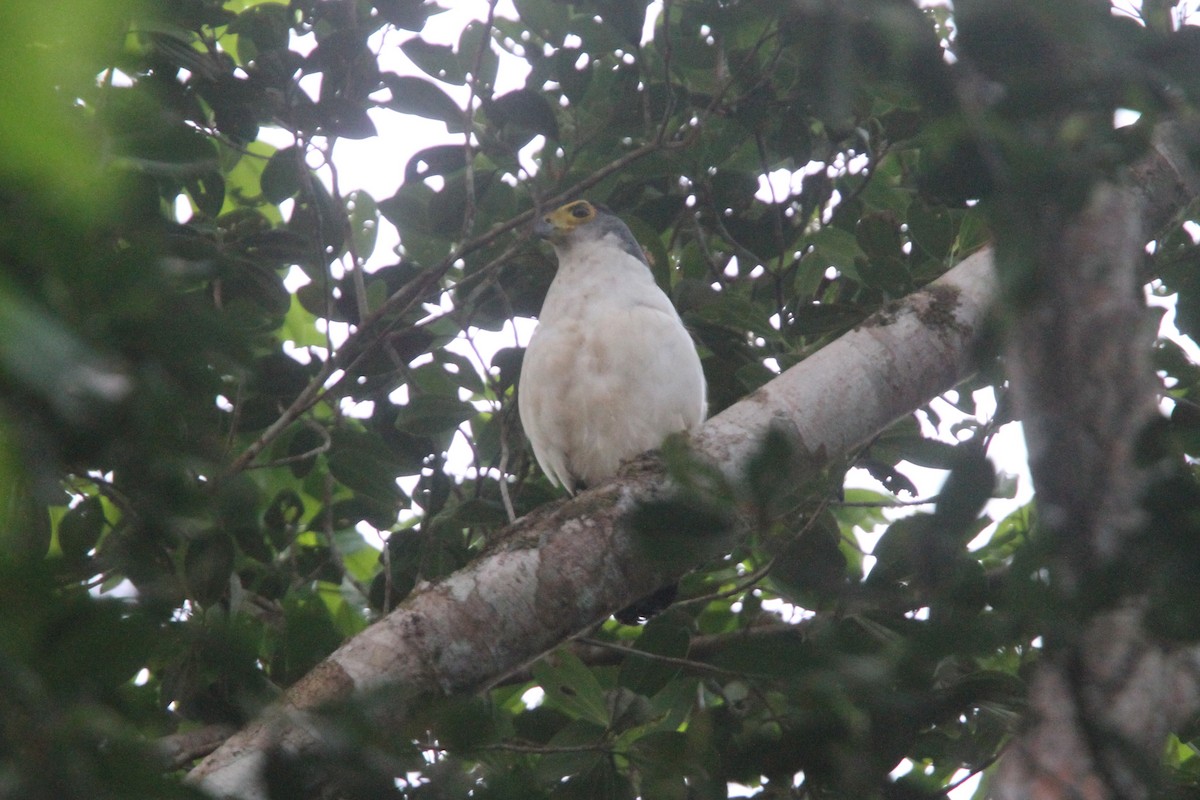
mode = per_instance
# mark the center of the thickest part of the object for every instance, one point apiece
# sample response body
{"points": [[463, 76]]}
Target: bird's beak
{"points": [[544, 228]]}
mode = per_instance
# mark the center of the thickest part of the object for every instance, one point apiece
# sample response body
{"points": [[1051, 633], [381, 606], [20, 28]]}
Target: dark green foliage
{"points": [[157, 436]]}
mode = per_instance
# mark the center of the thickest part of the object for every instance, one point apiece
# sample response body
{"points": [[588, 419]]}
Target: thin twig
{"points": [[740, 587], [683, 663], [503, 481], [323, 447], [600, 655], [356, 262], [882, 503], [485, 43], [992, 759], [514, 747]]}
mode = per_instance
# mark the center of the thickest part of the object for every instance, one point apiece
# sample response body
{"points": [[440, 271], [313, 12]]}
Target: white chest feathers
{"points": [[610, 371]]}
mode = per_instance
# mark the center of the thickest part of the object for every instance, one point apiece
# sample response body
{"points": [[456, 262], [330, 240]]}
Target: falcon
{"points": [[610, 371]]}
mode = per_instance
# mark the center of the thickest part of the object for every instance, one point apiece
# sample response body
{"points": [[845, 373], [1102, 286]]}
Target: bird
{"points": [[610, 371]]}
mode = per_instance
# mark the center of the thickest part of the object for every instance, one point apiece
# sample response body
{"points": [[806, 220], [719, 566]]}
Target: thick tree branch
{"points": [[181, 749], [558, 571]]}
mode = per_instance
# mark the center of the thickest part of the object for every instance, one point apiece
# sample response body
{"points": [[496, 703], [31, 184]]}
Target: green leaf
{"points": [[261, 29], [427, 415], [665, 758], [361, 462], [409, 15], [921, 548], [304, 442], [461, 369], [360, 558], [508, 361], [420, 97], [282, 517], [661, 636], [673, 532], [624, 17], [253, 294], [475, 44], [46, 358], [904, 442], [540, 724], [311, 636], [364, 222], [967, 488], [931, 228], [578, 746], [477, 512], [601, 782], [80, 528], [464, 722], [834, 247], [26, 531], [883, 267], [408, 209], [811, 570], [207, 192], [442, 159], [786, 655], [521, 115], [435, 60], [863, 516], [571, 687], [173, 153], [283, 175], [207, 565], [551, 21]]}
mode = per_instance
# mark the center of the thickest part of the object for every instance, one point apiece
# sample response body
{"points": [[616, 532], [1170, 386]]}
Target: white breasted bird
{"points": [[610, 371]]}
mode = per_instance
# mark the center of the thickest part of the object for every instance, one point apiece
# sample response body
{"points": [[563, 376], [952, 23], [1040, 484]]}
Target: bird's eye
{"points": [[580, 211]]}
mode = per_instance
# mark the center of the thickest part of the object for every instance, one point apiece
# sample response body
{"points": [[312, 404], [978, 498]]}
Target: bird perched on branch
{"points": [[610, 371]]}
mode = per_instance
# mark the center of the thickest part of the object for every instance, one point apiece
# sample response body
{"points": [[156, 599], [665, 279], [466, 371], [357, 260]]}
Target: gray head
{"points": [[581, 221]]}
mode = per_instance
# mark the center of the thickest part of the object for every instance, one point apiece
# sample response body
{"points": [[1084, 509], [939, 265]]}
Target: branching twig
{"points": [[683, 663], [323, 447], [741, 586]]}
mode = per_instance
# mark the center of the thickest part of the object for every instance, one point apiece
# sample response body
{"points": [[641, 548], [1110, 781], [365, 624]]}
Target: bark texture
{"points": [[1106, 693]]}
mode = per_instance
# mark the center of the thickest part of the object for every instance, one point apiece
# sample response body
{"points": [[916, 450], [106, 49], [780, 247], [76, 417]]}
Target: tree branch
{"points": [[559, 570], [181, 749]]}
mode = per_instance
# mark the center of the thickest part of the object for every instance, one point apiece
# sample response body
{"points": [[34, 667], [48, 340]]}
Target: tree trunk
{"points": [[1106, 694]]}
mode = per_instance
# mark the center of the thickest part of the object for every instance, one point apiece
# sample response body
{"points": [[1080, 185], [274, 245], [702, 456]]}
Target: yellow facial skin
{"points": [[565, 219]]}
